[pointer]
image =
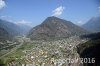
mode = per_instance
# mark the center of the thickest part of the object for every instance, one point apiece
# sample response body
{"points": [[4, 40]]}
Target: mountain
{"points": [[14, 29], [54, 27], [11, 28], [93, 25], [3, 34]]}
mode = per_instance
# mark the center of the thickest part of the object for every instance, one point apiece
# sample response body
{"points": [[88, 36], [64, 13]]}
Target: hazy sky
{"points": [[33, 12]]}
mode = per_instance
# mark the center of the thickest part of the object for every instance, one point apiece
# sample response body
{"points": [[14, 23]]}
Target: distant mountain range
{"points": [[93, 24], [10, 29], [54, 27], [24, 28]]}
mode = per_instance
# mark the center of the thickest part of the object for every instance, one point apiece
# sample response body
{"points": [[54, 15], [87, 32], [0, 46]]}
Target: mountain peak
{"points": [[55, 28], [54, 20], [52, 17]]}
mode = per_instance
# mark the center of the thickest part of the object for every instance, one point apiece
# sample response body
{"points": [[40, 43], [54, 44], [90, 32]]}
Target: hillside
{"points": [[3, 34], [93, 25], [90, 49], [14, 29], [11, 28], [54, 27]]}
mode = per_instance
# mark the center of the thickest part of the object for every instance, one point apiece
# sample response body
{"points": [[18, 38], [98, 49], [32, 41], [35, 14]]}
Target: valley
{"points": [[49, 32], [55, 42], [44, 53]]}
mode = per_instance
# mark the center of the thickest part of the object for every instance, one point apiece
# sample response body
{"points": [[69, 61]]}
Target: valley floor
{"points": [[44, 53]]}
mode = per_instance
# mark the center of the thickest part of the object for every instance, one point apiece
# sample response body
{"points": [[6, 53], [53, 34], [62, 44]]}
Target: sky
{"points": [[34, 12]]}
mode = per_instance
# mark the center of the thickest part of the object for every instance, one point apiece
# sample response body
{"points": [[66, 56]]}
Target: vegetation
{"points": [[40, 52], [90, 49]]}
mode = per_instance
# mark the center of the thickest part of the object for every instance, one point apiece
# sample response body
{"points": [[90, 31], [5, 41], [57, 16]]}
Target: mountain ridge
{"points": [[13, 29], [93, 24], [54, 27]]}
